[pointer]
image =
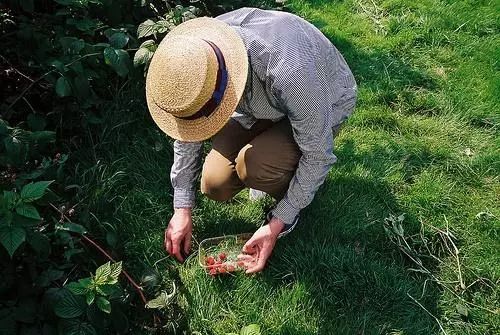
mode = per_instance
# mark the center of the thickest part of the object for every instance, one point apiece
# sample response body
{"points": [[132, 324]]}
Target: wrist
{"points": [[183, 210], [276, 226]]}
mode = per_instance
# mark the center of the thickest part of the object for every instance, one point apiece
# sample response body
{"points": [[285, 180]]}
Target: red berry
{"points": [[230, 268], [222, 256], [209, 260], [222, 269], [241, 264], [212, 272]]}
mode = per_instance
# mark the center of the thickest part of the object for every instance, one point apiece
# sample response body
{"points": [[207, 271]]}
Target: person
{"points": [[271, 91]]}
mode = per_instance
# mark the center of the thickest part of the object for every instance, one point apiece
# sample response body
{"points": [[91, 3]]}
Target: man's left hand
{"points": [[260, 246]]}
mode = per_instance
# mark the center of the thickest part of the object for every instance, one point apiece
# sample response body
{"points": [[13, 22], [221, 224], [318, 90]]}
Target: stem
{"points": [[425, 309], [108, 256], [33, 82], [132, 282]]}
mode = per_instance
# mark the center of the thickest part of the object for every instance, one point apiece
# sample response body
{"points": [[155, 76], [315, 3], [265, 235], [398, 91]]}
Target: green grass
{"points": [[423, 141]]}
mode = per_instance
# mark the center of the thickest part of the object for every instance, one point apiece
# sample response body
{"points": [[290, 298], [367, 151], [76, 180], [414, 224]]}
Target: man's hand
{"points": [[178, 233], [261, 245]]}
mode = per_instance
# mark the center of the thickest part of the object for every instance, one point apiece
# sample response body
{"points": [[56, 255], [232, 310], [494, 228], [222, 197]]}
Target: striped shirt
{"points": [[294, 72]]}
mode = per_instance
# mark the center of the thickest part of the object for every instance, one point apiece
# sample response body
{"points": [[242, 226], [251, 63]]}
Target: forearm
{"points": [[185, 170], [309, 176]]}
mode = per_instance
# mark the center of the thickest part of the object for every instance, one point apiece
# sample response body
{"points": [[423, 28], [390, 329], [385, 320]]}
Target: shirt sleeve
{"points": [[185, 171], [305, 96]]}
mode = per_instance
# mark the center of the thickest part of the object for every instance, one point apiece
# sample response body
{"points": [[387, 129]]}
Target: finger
{"points": [[176, 250], [245, 257], [250, 246], [187, 243], [261, 263], [166, 242]]}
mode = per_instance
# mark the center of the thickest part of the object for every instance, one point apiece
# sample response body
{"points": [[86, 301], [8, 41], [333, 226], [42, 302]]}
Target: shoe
{"points": [[255, 195]]}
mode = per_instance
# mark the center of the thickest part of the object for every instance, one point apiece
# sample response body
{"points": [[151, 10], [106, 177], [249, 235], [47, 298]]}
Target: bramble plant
{"points": [[18, 213], [100, 287]]}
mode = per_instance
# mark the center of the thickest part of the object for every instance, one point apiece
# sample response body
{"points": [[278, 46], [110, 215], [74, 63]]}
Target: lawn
{"points": [[422, 142]]}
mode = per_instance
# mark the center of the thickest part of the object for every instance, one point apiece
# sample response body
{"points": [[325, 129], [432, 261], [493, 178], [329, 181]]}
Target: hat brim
{"points": [[236, 59]]}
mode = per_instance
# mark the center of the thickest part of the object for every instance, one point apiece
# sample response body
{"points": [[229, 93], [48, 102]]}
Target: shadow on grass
{"points": [[356, 278]]}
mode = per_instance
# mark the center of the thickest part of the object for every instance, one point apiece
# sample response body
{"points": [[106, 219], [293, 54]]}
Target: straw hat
{"points": [[196, 79]]}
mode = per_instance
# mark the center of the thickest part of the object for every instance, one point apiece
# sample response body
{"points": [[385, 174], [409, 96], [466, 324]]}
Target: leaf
{"points": [[11, 238], [161, 301], [103, 304], [462, 310], [72, 227], [76, 327], [43, 137], [118, 59], [76, 288], [102, 273], [89, 297], [69, 306], [118, 40], [36, 122], [28, 210], [10, 198], [253, 329], [58, 65], [34, 191], [116, 269], [63, 87], [146, 28], [72, 45], [142, 56]]}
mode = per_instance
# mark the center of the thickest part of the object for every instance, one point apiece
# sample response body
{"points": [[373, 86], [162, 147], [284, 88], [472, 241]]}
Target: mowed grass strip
{"points": [[423, 142]]}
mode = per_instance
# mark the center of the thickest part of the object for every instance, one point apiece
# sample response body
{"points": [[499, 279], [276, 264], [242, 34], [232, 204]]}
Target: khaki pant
{"points": [[263, 158]]}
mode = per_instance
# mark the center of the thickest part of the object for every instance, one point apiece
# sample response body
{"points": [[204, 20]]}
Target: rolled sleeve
{"points": [[185, 171]]}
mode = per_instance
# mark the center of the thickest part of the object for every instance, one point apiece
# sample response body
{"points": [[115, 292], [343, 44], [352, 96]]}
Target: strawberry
{"points": [[222, 269], [212, 272], [209, 260], [230, 268], [222, 256]]}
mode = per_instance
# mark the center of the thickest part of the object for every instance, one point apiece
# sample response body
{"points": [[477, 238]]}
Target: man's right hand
{"points": [[178, 233]]}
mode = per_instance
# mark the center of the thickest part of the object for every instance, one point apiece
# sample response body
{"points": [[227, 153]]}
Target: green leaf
{"points": [[72, 45], [58, 65], [89, 297], [72, 227], [76, 327], [11, 237], [146, 28], [70, 306], [28, 210], [462, 310], [116, 269], [103, 304], [43, 137], [10, 198], [118, 40], [76, 288], [102, 273], [63, 87], [253, 329], [161, 301], [34, 191], [118, 59], [36, 122], [142, 56]]}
